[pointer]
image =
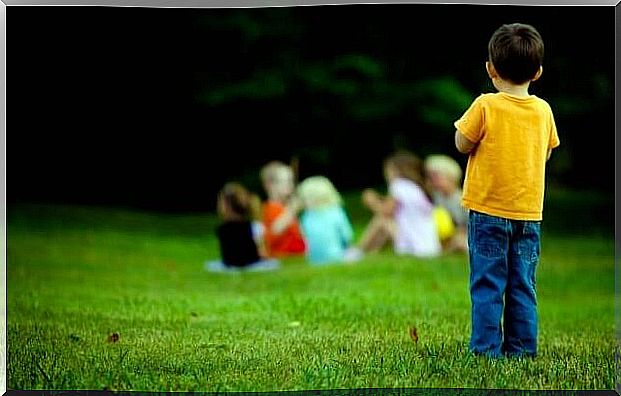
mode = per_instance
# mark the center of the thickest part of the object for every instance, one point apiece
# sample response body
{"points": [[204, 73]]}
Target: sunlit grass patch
{"points": [[76, 276]]}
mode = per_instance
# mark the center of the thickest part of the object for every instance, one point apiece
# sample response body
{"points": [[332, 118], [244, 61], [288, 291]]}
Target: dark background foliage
{"points": [[156, 108]]}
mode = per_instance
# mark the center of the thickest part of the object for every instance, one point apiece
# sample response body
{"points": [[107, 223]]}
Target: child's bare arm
{"points": [[388, 206], [286, 218], [463, 145], [549, 153], [372, 200], [377, 204]]}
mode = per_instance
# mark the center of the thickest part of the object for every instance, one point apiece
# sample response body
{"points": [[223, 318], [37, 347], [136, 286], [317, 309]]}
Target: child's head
{"points": [[516, 52], [403, 164], [277, 180], [406, 165], [318, 192], [234, 202], [443, 172]]}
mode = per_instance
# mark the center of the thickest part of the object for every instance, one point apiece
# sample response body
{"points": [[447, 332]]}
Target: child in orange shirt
{"points": [[509, 136], [282, 235]]}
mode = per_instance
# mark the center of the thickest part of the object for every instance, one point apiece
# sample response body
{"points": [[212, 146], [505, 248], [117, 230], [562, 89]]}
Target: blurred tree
{"points": [[159, 107], [322, 103]]}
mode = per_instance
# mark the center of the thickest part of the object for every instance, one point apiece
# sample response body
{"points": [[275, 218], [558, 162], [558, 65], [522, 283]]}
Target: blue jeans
{"points": [[503, 258]]}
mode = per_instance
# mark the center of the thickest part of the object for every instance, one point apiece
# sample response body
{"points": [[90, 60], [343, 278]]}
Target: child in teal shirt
{"points": [[325, 225]]}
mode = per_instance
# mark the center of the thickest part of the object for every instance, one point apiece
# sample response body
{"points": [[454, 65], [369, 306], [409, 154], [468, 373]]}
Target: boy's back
{"points": [[509, 136], [505, 174]]}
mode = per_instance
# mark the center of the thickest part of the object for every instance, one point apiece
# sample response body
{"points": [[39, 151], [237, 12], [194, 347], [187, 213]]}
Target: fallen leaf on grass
{"points": [[294, 324], [114, 337], [414, 334]]}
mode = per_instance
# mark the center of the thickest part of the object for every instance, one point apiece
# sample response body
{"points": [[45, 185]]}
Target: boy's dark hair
{"points": [[516, 51]]}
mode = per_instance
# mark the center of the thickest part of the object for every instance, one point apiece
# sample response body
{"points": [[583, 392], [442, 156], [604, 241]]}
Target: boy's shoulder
{"points": [[495, 97], [487, 97], [485, 100], [542, 102]]}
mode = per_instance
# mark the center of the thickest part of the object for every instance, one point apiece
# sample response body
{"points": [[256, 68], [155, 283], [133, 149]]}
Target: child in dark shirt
{"points": [[238, 244]]}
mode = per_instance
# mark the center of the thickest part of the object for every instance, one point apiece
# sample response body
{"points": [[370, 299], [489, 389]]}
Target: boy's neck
{"points": [[276, 198], [511, 88]]}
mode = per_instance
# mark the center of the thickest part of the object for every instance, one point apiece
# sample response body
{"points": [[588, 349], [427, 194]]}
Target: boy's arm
{"points": [[463, 145], [288, 217]]}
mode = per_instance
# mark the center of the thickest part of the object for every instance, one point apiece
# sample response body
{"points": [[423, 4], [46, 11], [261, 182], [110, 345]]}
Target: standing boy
{"points": [[509, 135]]}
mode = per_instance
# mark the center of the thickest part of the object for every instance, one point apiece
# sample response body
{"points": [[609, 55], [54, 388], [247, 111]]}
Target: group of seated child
{"points": [[421, 215]]}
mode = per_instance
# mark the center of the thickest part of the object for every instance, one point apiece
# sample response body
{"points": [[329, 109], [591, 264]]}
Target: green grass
{"points": [[76, 275]]}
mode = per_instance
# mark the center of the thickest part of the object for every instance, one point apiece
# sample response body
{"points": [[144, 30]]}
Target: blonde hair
{"points": [[318, 191], [445, 165], [274, 170]]}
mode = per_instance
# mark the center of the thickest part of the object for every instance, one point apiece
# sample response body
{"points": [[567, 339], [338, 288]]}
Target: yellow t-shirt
{"points": [[505, 175]]}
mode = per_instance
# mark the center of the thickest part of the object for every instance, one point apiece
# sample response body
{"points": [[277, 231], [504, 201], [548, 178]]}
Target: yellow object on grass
{"points": [[444, 223]]}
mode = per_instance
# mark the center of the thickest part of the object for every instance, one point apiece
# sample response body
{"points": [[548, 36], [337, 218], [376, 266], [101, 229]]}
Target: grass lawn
{"points": [[77, 275]]}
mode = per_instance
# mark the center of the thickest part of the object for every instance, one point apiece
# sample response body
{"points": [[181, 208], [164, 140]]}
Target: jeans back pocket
{"points": [[487, 234]]}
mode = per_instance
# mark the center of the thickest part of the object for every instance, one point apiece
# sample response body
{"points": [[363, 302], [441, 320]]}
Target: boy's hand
{"points": [[288, 217], [463, 145]]}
